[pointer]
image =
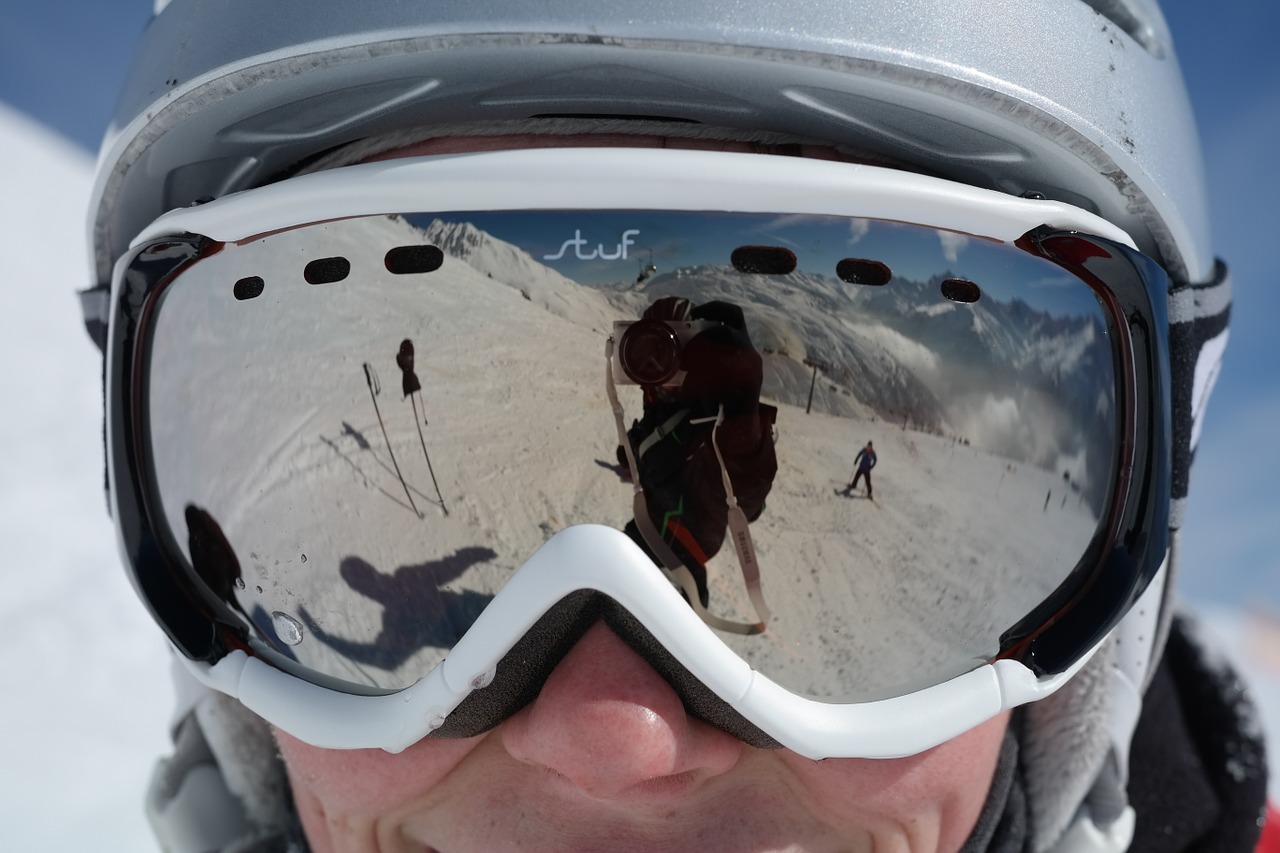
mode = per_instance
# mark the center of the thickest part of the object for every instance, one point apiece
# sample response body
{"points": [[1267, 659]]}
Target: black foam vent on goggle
{"points": [[523, 670]]}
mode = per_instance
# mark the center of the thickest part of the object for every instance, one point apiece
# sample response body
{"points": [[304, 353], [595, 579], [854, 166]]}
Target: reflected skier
{"points": [[865, 461], [703, 429]]}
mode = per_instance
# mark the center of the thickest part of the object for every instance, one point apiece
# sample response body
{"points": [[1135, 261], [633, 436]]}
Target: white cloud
{"points": [[952, 244]]}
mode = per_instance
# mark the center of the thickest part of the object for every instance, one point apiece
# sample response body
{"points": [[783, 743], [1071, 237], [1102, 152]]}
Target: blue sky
{"points": [[1232, 534], [62, 61]]}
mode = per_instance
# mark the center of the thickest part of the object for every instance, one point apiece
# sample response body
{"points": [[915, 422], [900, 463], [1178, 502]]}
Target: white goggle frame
{"points": [[597, 557]]}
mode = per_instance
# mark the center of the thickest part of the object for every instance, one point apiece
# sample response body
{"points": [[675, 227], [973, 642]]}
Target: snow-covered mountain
{"points": [[511, 265]]}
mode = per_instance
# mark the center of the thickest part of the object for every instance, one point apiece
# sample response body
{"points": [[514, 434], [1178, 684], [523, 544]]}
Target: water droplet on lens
{"points": [[484, 679], [259, 589], [287, 628], [239, 583], [304, 558]]}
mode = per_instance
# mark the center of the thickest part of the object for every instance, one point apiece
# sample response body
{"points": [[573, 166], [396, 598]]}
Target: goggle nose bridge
{"points": [[523, 670]]}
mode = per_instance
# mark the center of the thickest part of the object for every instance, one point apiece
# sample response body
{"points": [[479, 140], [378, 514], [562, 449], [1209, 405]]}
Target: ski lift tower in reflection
{"points": [[816, 365]]}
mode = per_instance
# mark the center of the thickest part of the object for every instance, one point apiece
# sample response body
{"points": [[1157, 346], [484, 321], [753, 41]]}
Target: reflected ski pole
{"points": [[371, 378], [440, 497], [410, 385]]}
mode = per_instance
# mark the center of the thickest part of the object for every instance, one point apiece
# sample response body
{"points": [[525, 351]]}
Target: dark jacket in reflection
{"points": [[678, 468], [215, 563], [212, 556]]}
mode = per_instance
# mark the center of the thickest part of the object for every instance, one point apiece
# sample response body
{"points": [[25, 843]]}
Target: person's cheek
{"points": [[937, 794], [370, 782]]}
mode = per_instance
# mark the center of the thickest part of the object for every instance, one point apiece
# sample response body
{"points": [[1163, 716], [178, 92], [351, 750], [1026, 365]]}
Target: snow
{"points": [[85, 671], [86, 691]]}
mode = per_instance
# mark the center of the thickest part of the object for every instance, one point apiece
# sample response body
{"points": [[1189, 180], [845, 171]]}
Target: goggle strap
{"points": [[741, 532], [1199, 316], [665, 429], [616, 405]]}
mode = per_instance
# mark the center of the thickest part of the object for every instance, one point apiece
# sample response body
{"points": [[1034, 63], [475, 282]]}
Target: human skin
{"points": [[606, 758]]}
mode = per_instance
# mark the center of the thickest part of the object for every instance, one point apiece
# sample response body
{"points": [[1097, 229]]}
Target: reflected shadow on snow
{"points": [[417, 610]]}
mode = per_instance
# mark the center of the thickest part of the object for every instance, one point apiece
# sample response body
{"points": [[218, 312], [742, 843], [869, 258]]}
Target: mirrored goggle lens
{"points": [[361, 428]]}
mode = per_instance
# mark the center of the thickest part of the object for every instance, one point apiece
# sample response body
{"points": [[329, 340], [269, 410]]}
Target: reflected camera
{"points": [[650, 351]]}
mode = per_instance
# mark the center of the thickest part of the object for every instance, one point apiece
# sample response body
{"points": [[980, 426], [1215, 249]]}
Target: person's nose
{"points": [[608, 724]]}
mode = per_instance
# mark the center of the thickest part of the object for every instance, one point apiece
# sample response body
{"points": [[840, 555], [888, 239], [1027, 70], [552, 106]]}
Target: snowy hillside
{"points": [[513, 267], [86, 697]]}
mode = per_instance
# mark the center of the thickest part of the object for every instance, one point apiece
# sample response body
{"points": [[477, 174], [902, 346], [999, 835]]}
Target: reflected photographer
{"points": [[702, 426]]}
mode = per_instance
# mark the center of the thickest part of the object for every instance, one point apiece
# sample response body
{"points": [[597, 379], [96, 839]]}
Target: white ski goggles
{"points": [[632, 386]]}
